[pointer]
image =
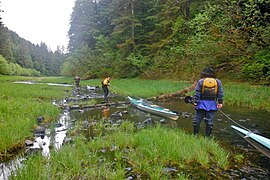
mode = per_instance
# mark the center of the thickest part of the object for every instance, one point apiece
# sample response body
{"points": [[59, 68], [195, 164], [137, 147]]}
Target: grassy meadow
{"points": [[255, 97], [235, 94]]}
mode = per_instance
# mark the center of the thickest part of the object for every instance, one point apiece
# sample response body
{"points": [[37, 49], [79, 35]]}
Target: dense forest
{"points": [[21, 57], [172, 39]]}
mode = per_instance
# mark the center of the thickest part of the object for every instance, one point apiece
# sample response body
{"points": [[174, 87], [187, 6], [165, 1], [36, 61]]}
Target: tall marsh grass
{"points": [[246, 95], [144, 154], [21, 103], [140, 87], [20, 106]]}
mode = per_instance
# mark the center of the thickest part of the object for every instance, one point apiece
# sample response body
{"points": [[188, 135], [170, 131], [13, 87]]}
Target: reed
{"points": [[246, 95], [144, 154], [141, 87]]}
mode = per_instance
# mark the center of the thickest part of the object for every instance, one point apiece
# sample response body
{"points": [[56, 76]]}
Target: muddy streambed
{"points": [[257, 165]]}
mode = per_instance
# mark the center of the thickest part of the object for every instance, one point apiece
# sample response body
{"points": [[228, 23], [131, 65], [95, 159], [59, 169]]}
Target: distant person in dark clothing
{"points": [[105, 84], [77, 81], [208, 99]]}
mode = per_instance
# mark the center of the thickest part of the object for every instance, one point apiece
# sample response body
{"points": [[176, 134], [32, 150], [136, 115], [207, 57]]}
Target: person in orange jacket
{"points": [[105, 83]]}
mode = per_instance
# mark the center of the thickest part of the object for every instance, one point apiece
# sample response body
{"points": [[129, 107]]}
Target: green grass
{"points": [[235, 94], [246, 95], [20, 106], [140, 87], [147, 152], [60, 80]]}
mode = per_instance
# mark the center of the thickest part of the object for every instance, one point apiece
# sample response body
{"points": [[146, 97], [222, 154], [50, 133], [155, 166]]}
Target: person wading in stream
{"points": [[77, 81], [208, 99], [105, 83]]}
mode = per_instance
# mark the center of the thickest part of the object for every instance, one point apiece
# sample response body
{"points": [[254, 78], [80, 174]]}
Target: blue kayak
{"points": [[154, 109], [259, 142]]}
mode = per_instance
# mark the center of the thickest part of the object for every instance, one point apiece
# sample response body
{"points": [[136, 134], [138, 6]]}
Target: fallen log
{"points": [[85, 106], [176, 95]]}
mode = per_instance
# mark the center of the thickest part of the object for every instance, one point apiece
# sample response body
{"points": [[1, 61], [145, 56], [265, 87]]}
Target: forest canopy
{"points": [[170, 39]]}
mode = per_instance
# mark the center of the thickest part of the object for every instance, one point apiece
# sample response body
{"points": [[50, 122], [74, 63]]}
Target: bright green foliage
{"points": [[259, 68], [3, 65], [15, 69]]}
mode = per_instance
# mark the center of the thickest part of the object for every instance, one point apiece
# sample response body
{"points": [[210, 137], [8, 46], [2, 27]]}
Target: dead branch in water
{"points": [[176, 95]]}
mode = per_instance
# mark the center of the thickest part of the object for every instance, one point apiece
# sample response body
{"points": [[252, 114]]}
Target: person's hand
{"points": [[219, 106]]}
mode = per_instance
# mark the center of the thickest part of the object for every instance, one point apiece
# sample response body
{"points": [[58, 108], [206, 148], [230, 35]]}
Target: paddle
{"points": [[189, 100]]}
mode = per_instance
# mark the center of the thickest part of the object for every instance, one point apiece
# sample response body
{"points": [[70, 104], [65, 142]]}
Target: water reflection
{"points": [[6, 169], [106, 113], [34, 82], [53, 136]]}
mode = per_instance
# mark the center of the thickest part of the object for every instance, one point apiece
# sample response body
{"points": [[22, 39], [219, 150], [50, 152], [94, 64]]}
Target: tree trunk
{"points": [[133, 26], [176, 95], [188, 9]]}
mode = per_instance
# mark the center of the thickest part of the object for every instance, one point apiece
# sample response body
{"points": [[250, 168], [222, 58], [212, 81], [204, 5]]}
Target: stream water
{"points": [[257, 166]]}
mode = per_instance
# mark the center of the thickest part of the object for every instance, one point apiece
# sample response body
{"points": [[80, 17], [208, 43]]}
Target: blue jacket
{"points": [[207, 104]]}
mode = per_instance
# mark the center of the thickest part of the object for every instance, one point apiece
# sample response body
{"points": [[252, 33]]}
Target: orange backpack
{"points": [[210, 86]]}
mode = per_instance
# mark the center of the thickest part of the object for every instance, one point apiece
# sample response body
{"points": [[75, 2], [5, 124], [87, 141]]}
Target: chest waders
{"points": [[208, 95]]}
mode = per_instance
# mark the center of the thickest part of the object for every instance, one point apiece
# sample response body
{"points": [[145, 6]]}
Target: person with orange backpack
{"points": [[208, 99]]}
